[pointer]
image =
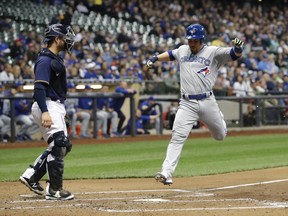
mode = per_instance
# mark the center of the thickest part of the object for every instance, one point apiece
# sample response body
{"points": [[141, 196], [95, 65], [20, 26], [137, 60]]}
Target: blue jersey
{"points": [[117, 103], [102, 103], [85, 103], [50, 71], [151, 111], [22, 107], [138, 124], [90, 75]]}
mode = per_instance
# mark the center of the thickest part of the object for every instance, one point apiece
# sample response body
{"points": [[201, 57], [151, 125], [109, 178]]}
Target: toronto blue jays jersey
{"points": [[85, 103], [22, 107], [199, 72], [102, 103], [117, 103], [152, 111]]}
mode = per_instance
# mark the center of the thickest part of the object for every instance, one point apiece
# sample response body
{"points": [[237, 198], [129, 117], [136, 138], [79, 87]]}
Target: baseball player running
{"points": [[199, 65], [48, 110]]}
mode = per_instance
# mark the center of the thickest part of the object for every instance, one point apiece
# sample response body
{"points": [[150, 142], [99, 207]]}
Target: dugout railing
{"points": [[92, 95], [233, 108]]}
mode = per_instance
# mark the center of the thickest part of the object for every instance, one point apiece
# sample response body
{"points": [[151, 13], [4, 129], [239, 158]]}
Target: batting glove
{"points": [[151, 61], [238, 45]]}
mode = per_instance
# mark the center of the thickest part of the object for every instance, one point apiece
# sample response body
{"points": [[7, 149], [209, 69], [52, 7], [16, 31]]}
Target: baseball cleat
{"points": [[57, 195], [159, 177], [35, 187]]}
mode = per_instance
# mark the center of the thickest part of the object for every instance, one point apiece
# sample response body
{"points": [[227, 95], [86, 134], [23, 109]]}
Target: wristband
{"points": [[238, 49], [154, 59]]}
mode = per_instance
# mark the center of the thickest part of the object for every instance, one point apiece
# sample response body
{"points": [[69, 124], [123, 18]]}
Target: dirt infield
{"points": [[251, 193]]}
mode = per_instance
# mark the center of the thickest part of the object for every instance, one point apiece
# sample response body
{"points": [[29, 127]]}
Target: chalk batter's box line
{"points": [[268, 205]]}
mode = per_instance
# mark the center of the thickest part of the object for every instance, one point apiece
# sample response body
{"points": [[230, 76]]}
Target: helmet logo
{"points": [[193, 30]]}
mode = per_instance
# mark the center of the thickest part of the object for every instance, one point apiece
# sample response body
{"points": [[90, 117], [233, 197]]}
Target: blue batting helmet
{"points": [[59, 30], [195, 31]]}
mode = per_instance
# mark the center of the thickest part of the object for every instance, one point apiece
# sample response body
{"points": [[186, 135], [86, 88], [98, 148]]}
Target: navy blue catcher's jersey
{"points": [[50, 70]]}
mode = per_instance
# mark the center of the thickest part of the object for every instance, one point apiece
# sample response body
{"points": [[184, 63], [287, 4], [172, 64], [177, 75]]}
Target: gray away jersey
{"points": [[198, 73]]}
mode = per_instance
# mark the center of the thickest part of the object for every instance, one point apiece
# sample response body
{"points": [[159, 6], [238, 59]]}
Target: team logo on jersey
{"points": [[204, 71]]}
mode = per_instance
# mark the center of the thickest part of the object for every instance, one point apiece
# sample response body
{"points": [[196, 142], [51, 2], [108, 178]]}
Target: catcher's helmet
{"points": [[59, 30], [195, 31]]}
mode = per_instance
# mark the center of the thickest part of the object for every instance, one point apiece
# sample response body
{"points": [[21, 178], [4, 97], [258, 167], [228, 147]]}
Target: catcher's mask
{"points": [[195, 31], [59, 30]]}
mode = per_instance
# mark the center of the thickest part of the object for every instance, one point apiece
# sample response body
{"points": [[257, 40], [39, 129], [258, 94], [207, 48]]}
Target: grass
{"points": [[201, 156]]}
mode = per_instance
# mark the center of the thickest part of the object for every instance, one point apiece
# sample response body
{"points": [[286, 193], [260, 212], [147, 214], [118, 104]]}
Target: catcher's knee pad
{"points": [[62, 145]]}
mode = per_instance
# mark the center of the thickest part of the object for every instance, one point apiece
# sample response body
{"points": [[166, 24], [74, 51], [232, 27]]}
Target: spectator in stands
{"points": [[27, 72], [148, 108], [98, 71], [17, 72], [221, 86], [267, 64], [240, 88], [117, 103], [4, 48], [7, 73], [285, 82], [249, 118], [171, 81], [17, 49], [91, 72], [112, 73], [32, 52], [258, 86]]}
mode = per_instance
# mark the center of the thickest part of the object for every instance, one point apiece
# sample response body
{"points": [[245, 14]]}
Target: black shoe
{"points": [[35, 187], [57, 195]]}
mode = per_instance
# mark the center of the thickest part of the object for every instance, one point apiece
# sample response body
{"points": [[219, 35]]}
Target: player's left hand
{"points": [[238, 45], [238, 42]]}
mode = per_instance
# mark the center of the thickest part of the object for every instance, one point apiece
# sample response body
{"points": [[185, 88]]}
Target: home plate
{"points": [[152, 200]]}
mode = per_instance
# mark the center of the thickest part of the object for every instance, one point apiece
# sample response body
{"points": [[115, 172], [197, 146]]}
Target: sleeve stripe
{"points": [[172, 58]]}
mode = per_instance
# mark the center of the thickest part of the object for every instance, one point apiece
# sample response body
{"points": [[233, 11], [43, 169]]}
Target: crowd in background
{"points": [[263, 28], [106, 56]]}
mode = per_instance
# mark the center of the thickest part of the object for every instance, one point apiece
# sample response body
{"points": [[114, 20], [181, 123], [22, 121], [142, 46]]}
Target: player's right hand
{"points": [[149, 64], [46, 120], [151, 61]]}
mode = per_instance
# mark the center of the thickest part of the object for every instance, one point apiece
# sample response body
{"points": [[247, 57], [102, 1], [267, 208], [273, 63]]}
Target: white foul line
{"points": [[245, 185], [194, 209]]}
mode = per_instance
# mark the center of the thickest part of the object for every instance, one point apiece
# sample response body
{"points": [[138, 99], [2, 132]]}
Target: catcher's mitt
{"points": [[67, 121]]}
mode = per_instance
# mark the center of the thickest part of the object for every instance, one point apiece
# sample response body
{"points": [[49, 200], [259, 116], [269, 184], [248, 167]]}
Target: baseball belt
{"points": [[197, 97]]}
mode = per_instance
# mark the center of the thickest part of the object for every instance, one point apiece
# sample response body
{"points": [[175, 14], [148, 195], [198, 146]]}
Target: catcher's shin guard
{"points": [[54, 190], [55, 169]]}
